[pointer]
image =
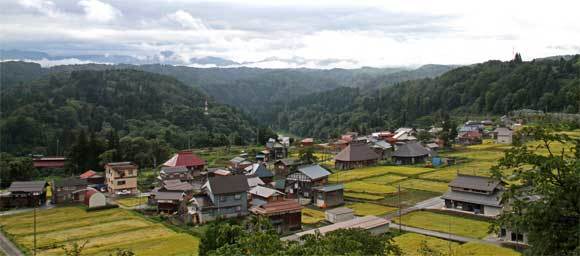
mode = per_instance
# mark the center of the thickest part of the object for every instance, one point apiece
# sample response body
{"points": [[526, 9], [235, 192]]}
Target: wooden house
{"points": [[307, 142], [285, 215], [356, 155], [285, 166], [93, 178], [260, 195], [470, 137], [68, 190], [121, 178], [180, 173], [306, 177], [503, 135], [476, 194], [410, 153], [260, 170], [383, 149], [222, 197], [26, 194], [239, 163], [277, 150], [328, 195]]}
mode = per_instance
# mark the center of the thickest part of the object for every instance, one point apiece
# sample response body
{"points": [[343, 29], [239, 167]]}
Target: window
{"points": [[120, 182], [503, 232], [222, 198], [237, 196], [238, 209]]}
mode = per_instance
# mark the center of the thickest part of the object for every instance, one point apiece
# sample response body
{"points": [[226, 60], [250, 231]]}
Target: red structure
{"points": [[187, 159], [53, 162]]}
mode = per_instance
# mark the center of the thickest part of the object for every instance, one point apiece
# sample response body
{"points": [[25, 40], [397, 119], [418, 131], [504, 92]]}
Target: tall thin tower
{"points": [[206, 108]]}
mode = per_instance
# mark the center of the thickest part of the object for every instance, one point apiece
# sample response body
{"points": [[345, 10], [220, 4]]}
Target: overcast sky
{"points": [[307, 33]]}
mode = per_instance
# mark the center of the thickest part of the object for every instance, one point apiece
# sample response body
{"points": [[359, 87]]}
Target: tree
{"points": [[543, 198], [306, 155], [15, 169]]}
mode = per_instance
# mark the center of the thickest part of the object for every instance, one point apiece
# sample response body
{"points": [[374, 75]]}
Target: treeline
{"points": [[490, 88], [150, 114]]}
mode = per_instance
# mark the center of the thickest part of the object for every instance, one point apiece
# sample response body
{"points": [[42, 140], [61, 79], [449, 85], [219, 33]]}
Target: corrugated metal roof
{"points": [[328, 188], [264, 191], [228, 184], [314, 171], [340, 210], [366, 222]]}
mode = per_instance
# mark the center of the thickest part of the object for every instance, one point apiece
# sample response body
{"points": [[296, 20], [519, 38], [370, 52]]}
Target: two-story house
{"points": [[222, 197], [476, 194], [68, 190], [121, 178], [306, 177]]}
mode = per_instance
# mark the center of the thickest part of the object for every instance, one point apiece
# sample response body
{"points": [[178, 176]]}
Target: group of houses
{"points": [[473, 132]]}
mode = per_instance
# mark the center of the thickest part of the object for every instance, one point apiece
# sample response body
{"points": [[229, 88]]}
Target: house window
{"points": [[120, 182], [222, 198], [503, 232], [237, 196]]}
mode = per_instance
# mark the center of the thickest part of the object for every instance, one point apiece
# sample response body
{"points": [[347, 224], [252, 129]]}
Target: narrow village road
{"points": [[8, 247], [442, 235], [429, 203]]}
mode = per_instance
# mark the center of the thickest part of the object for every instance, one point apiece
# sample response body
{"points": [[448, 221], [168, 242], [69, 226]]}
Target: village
{"points": [[386, 181]]}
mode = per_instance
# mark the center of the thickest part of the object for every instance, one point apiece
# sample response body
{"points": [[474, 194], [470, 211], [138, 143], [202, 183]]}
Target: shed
{"points": [[339, 214], [94, 198]]}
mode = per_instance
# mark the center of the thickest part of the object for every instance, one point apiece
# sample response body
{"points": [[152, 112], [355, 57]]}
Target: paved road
{"points": [[8, 247], [447, 236], [429, 203]]}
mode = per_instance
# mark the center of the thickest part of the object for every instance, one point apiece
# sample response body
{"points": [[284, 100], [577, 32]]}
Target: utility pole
{"points": [[400, 211], [34, 227]]}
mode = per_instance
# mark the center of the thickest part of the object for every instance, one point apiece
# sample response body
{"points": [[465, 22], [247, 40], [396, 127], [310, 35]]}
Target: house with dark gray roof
{"points": [[260, 170], [68, 190], [503, 135], [410, 153], [327, 196], [26, 193], [223, 197], [476, 194], [301, 182], [355, 155], [181, 173]]}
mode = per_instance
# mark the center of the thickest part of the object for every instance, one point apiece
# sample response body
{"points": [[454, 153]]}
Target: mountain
{"points": [[41, 115], [252, 89], [490, 88]]}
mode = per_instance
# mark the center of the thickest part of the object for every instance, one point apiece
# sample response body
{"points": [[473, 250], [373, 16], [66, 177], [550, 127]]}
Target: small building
{"points": [[476, 194], [187, 159], [261, 171], [121, 178], [239, 163], [93, 198], [260, 195], [180, 173], [328, 195], [178, 186], [27, 193], [503, 135], [93, 178], [356, 155], [339, 214], [307, 142], [66, 190], [53, 162], [254, 181], [168, 202], [472, 137], [285, 166], [383, 149], [375, 225], [285, 215], [306, 177], [223, 197], [211, 172], [410, 153], [277, 150], [432, 146]]}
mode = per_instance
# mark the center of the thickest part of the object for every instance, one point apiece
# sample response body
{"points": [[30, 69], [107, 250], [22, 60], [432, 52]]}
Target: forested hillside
{"points": [[493, 87], [144, 113], [250, 89]]}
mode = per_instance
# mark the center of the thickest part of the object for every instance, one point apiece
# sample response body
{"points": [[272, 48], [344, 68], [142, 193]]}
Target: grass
{"points": [[363, 196], [446, 223], [370, 188], [104, 231], [410, 243], [311, 216], [409, 197], [385, 179], [132, 201], [363, 209], [427, 185]]}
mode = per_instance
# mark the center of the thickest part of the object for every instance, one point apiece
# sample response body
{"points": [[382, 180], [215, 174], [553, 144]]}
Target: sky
{"points": [[297, 33]]}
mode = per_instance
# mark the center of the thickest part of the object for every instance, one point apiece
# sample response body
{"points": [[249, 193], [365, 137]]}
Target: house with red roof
{"points": [[187, 159]]}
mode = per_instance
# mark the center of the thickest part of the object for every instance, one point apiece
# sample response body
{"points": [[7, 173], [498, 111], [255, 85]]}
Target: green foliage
{"points": [[123, 252], [551, 171], [74, 249], [307, 155], [15, 168]]}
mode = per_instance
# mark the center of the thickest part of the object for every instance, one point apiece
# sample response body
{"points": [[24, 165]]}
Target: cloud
{"points": [[185, 19], [96, 10], [45, 7]]}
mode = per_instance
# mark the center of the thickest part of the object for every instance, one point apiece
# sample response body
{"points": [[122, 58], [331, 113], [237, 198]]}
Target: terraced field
{"points": [[104, 231], [311, 216], [410, 244], [446, 223], [363, 209]]}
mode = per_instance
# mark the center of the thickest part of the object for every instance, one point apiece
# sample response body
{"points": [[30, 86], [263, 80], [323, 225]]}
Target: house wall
{"points": [[504, 139], [335, 218], [491, 211], [65, 194], [512, 236], [113, 177]]}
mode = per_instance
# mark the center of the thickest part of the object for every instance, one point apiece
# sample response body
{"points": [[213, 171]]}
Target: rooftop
{"points": [[184, 158], [356, 152], [228, 184], [366, 223], [314, 171], [475, 182], [411, 149], [27, 186]]}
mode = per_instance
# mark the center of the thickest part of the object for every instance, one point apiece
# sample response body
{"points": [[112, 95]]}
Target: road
{"points": [[429, 203], [442, 235], [8, 247]]}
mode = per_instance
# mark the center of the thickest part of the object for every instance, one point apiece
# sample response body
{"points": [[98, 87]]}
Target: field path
{"points": [[429, 203], [442, 235], [8, 247]]}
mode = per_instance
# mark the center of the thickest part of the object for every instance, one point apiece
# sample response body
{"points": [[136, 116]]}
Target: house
{"points": [[121, 178], [410, 153], [503, 135], [26, 193], [375, 225], [307, 142], [223, 197], [261, 171], [93, 198], [239, 163], [354, 156], [53, 162], [254, 181], [469, 137], [68, 190], [260, 195], [93, 178], [187, 159], [285, 166], [277, 150], [284, 140], [168, 202], [285, 215], [432, 146], [383, 149], [178, 186], [382, 135], [306, 177], [263, 156], [404, 136], [476, 194], [180, 173], [328, 195], [339, 214], [218, 172], [349, 136]]}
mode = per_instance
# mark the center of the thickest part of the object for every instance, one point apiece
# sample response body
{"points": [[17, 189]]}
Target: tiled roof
{"points": [[27, 186], [184, 158], [228, 184], [412, 149], [356, 152], [475, 182]]}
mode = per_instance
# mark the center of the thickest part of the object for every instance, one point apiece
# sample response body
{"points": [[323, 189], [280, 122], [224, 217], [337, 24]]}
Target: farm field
{"points": [[363, 209], [363, 196], [409, 197], [446, 223], [311, 216], [410, 243], [370, 188], [427, 185], [132, 201], [104, 231], [385, 179]]}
